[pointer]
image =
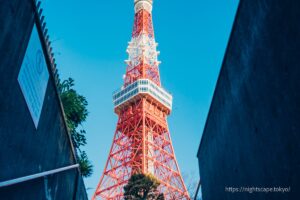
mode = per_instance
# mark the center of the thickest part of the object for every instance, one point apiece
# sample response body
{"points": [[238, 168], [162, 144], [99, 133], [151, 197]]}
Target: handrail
{"points": [[35, 176]]}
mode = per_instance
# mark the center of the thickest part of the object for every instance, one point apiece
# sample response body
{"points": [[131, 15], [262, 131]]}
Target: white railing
{"points": [[35, 176]]}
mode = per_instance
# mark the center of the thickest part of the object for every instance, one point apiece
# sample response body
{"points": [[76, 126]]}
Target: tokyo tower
{"points": [[142, 142]]}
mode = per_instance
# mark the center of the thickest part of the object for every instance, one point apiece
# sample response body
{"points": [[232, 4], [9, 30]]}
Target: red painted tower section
{"points": [[142, 141]]}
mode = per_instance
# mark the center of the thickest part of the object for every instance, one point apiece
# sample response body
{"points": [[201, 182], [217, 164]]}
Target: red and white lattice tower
{"points": [[142, 141]]}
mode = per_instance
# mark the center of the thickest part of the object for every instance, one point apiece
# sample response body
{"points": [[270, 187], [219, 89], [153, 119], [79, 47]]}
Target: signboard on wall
{"points": [[33, 76]]}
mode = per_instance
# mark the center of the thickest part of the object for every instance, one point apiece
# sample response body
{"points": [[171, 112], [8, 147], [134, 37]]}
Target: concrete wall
{"points": [[25, 150], [252, 133]]}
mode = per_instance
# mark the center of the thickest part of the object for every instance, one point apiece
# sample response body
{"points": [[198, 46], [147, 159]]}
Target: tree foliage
{"points": [[85, 165], [142, 187], [75, 108]]}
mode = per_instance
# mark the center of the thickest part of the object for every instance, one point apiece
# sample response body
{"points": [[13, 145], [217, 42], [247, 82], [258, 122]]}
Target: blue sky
{"points": [[90, 38]]}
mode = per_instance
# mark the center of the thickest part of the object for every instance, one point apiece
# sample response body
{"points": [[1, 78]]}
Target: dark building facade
{"points": [[251, 142], [33, 136]]}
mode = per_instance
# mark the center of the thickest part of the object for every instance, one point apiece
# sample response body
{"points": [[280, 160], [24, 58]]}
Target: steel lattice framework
{"points": [[142, 140]]}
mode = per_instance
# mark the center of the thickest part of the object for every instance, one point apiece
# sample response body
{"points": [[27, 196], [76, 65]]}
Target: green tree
{"points": [[142, 187], [75, 108]]}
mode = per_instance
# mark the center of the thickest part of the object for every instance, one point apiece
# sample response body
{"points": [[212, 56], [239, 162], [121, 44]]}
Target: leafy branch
{"points": [[142, 187], [75, 108]]}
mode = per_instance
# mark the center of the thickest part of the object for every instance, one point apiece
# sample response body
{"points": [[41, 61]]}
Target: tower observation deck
{"points": [[142, 142]]}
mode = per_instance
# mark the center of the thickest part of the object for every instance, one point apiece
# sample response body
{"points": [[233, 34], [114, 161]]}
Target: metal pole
{"points": [[35, 176], [198, 187]]}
